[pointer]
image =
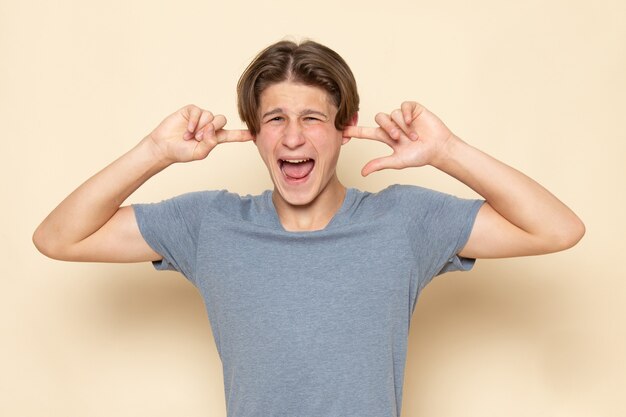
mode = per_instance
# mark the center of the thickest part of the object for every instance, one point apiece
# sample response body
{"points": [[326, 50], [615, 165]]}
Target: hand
{"points": [[416, 136], [191, 133]]}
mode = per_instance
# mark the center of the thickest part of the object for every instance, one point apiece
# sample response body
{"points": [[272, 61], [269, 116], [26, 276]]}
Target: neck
{"points": [[314, 215]]}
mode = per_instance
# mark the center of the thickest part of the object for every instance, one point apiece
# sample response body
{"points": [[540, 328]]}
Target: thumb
{"points": [[378, 164]]}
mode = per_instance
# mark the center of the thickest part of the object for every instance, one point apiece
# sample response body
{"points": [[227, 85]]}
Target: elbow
{"points": [[569, 234], [47, 245], [41, 242], [577, 233]]}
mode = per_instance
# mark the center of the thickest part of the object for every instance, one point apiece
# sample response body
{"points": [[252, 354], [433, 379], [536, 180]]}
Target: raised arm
{"points": [[519, 218], [90, 225]]}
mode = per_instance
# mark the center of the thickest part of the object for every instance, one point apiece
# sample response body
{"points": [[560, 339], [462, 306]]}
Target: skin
{"points": [[90, 225], [508, 223], [297, 122]]}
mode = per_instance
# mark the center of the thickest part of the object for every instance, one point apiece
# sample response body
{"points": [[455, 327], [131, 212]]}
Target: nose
{"points": [[293, 136]]}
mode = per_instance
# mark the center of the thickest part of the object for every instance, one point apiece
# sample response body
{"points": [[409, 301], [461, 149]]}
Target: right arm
{"points": [[90, 224]]}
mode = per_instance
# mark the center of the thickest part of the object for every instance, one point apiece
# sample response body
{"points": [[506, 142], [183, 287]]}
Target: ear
{"points": [[254, 135], [354, 120]]}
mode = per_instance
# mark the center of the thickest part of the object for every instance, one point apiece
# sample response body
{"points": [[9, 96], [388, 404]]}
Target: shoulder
{"points": [[415, 203], [198, 204], [214, 199], [226, 206], [400, 196], [395, 203]]}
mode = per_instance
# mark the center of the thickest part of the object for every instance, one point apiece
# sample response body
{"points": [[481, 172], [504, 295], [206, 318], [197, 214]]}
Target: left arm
{"points": [[519, 218]]}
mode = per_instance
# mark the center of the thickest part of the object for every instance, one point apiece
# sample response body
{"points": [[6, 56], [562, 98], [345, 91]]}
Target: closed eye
{"points": [[275, 119]]}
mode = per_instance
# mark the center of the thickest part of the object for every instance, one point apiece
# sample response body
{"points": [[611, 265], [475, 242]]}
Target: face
{"points": [[298, 141]]}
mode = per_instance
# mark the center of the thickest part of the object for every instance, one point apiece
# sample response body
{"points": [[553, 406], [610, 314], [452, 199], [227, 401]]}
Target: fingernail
{"points": [[199, 135], [414, 136]]}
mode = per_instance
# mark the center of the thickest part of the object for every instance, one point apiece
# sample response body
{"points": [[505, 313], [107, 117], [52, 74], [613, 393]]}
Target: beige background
{"points": [[538, 84]]}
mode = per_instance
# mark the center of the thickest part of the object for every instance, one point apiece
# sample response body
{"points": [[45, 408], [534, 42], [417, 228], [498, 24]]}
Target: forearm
{"points": [[93, 203], [548, 223], [520, 217]]}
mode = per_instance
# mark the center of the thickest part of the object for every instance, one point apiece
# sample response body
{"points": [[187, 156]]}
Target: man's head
{"points": [[308, 63], [296, 101]]}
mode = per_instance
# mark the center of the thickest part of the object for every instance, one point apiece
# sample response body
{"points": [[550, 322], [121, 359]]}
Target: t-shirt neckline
{"points": [[338, 219]]}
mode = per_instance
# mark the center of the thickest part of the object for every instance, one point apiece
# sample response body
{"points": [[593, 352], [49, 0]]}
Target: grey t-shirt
{"points": [[311, 324]]}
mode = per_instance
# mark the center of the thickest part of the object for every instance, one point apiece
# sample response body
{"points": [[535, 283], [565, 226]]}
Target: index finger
{"points": [[374, 133], [233, 135]]}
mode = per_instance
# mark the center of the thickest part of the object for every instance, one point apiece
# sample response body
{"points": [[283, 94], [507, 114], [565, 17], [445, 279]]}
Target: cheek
{"points": [[267, 136], [264, 147], [327, 140], [319, 130]]}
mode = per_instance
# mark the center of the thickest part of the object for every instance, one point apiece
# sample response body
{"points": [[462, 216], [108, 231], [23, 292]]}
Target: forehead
{"points": [[294, 97]]}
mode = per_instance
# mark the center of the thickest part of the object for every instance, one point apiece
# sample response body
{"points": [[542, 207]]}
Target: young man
{"points": [[309, 287]]}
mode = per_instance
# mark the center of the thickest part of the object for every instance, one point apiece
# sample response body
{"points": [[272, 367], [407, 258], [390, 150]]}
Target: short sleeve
{"points": [[440, 225], [171, 227]]}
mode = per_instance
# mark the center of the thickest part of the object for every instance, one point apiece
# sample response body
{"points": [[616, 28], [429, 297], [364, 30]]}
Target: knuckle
{"points": [[381, 117]]}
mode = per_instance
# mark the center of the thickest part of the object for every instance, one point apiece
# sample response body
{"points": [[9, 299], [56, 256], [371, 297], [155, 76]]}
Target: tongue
{"points": [[297, 171]]}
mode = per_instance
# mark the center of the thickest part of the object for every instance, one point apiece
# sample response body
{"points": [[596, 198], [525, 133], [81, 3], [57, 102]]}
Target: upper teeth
{"points": [[295, 161]]}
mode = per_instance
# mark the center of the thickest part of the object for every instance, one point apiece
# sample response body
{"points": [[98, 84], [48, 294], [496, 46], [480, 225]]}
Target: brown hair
{"points": [[309, 63]]}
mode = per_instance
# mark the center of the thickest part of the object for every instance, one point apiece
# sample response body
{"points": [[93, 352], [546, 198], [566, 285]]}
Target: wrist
{"points": [[449, 153], [153, 153]]}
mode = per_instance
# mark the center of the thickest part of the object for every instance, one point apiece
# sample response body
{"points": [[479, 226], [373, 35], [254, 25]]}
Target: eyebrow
{"points": [[305, 112]]}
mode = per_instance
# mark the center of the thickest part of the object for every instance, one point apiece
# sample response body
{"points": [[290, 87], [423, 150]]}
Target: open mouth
{"points": [[296, 169]]}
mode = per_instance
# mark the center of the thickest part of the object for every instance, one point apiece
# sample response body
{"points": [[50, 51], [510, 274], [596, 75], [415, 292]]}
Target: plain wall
{"points": [[538, 84]]}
